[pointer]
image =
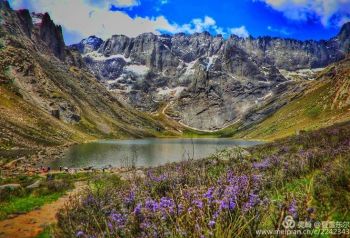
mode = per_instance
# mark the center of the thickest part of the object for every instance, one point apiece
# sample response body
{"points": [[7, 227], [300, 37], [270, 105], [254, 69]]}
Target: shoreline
{"points": [[30, 162]]}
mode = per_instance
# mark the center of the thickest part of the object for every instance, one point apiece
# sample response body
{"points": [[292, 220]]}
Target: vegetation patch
{"points": [[231, 194], [29, 196]]}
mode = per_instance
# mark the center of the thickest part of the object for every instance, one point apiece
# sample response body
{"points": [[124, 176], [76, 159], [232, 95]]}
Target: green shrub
{"points": [[313, 112]]}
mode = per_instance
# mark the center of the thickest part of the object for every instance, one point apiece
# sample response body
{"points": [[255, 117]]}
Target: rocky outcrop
{"points": [[39, 28], [88, 45], [25, 22], [344, 37], [52, 36]]}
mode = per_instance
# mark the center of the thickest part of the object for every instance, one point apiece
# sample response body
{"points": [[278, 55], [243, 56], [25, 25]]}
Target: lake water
{"points": [[142, 152]]}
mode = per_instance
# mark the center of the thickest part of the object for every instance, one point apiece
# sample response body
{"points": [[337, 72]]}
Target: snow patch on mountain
{"points": [[211, 61], [137, 69], [100, 57], [175, 92]]}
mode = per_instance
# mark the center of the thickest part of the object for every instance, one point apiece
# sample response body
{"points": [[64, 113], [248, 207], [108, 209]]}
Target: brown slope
{"points": [[47, 97]]}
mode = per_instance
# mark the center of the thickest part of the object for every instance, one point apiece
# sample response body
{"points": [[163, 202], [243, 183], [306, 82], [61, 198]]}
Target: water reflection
{"points": [[143, 152]]}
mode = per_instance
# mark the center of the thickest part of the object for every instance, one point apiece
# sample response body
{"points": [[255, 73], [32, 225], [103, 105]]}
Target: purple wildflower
{"points": [[224, 205], [264, 164], [253, 200], [118, 218], [166, 202], [211, 223], [129, 200], [232, 205], [198, 203], [151, 205], [110, 226], [209, 194], [293, 210], [79, 234], [137, 209]]}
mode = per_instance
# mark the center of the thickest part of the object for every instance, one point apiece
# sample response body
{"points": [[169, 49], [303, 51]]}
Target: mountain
{"points": [[52, 94], [324, 102], [207, 82], [47, 95]]}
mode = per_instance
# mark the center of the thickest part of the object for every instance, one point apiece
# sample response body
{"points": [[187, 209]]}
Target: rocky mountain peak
{"points": [[344, 37], [4, 5], [88, 45], [345, 31], [52, 35], [38, 27], [25, 21]]}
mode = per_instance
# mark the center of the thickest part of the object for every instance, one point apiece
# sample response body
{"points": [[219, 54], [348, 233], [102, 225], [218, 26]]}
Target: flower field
{"points": [[230, 194]]}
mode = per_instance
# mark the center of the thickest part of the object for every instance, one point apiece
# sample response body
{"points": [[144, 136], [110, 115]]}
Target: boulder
{"points": [[34, 185], [12, 186]]}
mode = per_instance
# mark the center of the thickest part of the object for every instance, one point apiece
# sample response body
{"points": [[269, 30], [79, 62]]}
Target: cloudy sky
{"points": [[301, 19]]}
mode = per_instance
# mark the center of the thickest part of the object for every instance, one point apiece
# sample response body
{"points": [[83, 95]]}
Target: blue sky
{"points": [[300, 19]]}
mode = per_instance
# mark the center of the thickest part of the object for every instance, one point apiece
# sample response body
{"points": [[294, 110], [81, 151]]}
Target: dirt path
{"points": [[32, 223]]}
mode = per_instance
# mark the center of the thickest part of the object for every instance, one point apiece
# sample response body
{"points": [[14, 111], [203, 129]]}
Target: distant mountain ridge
{"points": [[210, 81]]}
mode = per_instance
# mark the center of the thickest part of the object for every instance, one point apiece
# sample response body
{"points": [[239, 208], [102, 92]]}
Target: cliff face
{"points": [[210, 81], [38, 28], [51, 34]]}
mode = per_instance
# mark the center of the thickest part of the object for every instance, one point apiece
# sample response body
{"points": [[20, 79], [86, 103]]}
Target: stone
{"points": [[36, 184], [13, 186]]}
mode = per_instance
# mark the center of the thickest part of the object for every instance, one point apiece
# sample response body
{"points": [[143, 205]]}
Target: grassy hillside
{"points": [[46, 102], [325, 102]]}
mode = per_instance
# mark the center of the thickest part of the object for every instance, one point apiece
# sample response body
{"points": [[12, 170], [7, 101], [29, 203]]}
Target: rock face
{"points": [[88, 45], [40, 29], [52, 35], [210, 81]]}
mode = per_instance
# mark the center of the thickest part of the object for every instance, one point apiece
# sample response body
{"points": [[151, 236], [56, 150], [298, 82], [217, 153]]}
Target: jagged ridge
{"points": [[47, 97]]}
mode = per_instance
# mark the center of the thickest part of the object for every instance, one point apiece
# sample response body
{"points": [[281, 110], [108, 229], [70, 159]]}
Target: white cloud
{"points": [[327, 11], [82, 18], [117, 3], [197, 25], [87, 19], [125, 3], [282, 31], [240, 31], [208, 24]]}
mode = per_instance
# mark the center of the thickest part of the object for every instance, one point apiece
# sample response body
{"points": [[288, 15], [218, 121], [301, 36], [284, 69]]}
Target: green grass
{"points": [[46, 233], [296, 187], [314, 112], [26, 204], [25, 200]]}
